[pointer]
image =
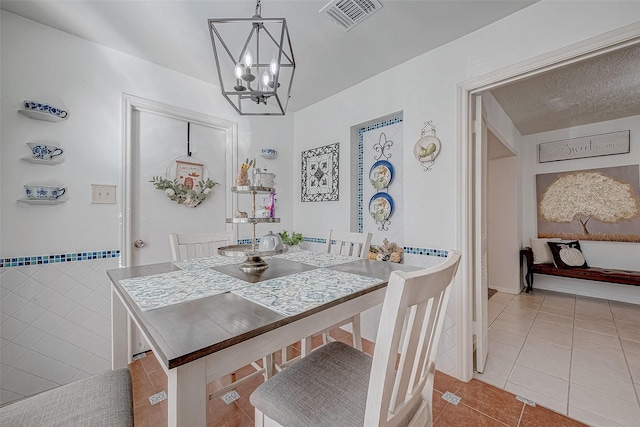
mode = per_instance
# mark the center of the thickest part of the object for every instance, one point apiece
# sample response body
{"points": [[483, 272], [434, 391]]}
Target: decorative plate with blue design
{"points": [[381, 174], [381, 206]]}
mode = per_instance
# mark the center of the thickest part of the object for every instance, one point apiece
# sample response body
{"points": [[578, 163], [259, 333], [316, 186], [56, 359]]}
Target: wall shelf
{"points": [[39, 115], [42, 202], [42, 161]]}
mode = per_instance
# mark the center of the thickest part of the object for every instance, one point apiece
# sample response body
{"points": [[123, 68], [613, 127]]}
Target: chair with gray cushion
{"points": [[101, 400], [338, 385]]}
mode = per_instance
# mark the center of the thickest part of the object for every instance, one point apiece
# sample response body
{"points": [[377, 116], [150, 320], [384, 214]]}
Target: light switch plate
{"points": [[103, 193]]}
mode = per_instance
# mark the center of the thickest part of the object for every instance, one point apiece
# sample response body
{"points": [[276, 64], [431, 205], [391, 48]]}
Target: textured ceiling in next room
{"points": [[602, 88]]}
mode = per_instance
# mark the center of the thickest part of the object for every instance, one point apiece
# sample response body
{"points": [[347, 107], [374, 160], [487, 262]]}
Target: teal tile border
{"points": [[52, 259]]}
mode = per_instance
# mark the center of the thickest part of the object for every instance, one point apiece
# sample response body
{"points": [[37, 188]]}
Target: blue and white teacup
{"points": [[42, 192], [268, 153], [45, 108], [44, 151]]}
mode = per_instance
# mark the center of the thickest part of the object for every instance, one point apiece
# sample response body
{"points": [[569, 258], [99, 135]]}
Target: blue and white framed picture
{"points": [[320, 173]]}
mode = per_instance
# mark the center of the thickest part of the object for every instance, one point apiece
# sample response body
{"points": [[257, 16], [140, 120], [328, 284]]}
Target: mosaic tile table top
{"points": [[317, 259], [300, 292], [207, 262], [161, 290]]}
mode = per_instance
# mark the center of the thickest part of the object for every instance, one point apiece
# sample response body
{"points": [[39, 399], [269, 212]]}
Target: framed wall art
{"points": [[320, 173], [594, 204]]}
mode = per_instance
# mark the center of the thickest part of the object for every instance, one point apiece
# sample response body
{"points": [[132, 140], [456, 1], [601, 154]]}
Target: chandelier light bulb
{"points": [[266, 78], [273, 67], [238, 71], [248, 59]]}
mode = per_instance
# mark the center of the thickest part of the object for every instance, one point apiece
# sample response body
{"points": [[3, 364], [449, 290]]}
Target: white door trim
{"points": [[607, 42], [131, 104]]}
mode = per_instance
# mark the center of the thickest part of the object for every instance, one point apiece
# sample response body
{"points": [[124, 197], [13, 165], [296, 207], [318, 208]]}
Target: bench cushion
{"points": [[101, 400]]}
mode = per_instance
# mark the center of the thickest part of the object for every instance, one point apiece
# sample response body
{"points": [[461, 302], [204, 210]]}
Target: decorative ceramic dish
{"points": [[381, 174], [381, 206]]}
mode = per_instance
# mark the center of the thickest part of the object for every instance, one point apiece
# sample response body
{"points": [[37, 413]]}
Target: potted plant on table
{"points": [[292, 239]]}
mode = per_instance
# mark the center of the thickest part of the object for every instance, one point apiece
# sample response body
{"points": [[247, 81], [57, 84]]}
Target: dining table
{"points": [[205, 318]]}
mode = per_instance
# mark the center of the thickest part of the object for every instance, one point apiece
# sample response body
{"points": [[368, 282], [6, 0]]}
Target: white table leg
{"points": [[119, 332], [187, 395]]}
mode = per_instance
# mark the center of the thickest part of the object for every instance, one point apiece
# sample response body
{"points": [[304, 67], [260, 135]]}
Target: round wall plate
{"points": [[381, 206], [381, 174], [427, 148]]}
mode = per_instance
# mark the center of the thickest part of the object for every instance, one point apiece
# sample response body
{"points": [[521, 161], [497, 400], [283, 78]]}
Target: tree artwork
{"points": [[581, 196]]}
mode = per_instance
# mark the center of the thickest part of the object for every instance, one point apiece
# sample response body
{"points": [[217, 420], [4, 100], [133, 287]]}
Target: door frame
{"points": [[466, 226], [132, 104]]}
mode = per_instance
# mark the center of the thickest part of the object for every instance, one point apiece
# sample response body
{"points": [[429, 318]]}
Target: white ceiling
{"points": [[175, 33]]}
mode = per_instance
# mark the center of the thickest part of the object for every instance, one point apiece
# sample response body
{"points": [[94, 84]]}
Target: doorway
{"points": [[469, 225]]}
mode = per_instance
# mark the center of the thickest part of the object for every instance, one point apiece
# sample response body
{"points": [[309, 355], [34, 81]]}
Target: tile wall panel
{"points": [[55, 322]]}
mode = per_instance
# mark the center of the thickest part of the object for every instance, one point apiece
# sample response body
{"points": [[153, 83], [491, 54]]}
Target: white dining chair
{"points": [[198, 245], [338, 385], [350, 244], [340, 243], [204, 244]]}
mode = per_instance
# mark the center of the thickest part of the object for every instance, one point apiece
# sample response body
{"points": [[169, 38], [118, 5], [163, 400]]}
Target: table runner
{"points": [[161, 290], [299, 292]]}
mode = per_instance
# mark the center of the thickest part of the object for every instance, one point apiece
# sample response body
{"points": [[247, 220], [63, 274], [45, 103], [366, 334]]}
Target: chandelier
{"points": [[255, 71]]}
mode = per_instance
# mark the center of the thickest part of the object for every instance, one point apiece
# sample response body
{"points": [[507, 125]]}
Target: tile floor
{"points": [[576, 355], [480, 405]]}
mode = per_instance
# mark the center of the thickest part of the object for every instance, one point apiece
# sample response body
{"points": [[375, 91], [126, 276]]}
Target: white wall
{"points": [[56, 317], [598, 254], [88, 80], [502, 225], [424, 88]]}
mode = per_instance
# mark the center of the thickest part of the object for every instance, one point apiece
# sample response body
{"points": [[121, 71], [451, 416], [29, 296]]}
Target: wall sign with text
{"points": [[586, 146]]}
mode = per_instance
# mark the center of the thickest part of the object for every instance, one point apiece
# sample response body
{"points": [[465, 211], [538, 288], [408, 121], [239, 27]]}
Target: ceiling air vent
{"points": [[349, 13]]}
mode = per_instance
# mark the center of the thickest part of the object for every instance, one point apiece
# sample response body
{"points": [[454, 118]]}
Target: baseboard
{"points": [[589, 288], [506, 290]]}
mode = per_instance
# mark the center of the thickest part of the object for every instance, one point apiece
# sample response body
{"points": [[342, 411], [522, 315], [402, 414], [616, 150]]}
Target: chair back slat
{"points": [[197, 245], [410, 325], [350, 244]]}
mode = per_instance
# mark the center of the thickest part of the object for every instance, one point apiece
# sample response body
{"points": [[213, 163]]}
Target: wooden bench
{"points": [[623, 277]]}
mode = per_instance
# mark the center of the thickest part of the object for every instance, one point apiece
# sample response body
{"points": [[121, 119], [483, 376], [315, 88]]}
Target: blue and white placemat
{"points": [[207, 262], [161, 290], [317, 259], [299, 292]]}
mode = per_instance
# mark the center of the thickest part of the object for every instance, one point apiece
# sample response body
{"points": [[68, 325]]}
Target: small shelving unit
{"points": [[40, 115], [42, 201], [254, 261]]}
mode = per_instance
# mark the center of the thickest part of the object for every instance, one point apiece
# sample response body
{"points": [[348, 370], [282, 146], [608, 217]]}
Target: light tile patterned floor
{"points": [[576, 355], [479, 404]]}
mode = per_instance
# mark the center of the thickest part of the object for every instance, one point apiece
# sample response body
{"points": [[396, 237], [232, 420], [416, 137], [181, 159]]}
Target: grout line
{"points": [[480, 412], [524, 406]]}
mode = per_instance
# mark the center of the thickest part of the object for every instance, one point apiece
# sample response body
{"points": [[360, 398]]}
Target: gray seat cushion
{"points": [[326, 388], [101, 400]]}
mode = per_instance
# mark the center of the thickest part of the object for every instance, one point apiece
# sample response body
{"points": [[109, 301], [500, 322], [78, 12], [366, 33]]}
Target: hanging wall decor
{"points": [[320, 174], [428, 146], [189, 186]]}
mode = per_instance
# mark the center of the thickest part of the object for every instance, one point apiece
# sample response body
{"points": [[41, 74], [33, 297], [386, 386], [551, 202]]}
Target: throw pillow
{"points": [[567, 254], [541, 252]]}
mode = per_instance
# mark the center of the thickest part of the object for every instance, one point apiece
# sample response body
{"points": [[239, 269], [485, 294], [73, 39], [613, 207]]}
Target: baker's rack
{"points": [[254, 262]]}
